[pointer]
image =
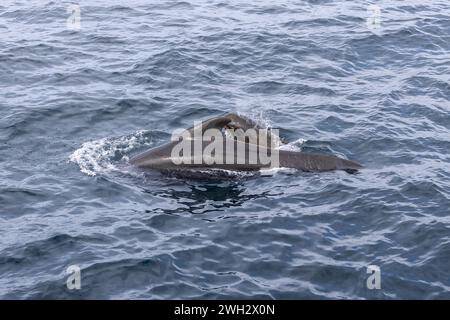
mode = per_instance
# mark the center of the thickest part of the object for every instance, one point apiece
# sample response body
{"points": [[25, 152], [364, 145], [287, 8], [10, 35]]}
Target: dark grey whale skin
{"points": [[159, 158]]}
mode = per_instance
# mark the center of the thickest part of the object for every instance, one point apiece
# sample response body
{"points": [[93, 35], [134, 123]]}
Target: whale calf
{"points": [[234, 150]]}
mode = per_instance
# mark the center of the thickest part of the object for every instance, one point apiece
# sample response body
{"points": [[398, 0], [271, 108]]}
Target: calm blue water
{"points": [[76, 104]]}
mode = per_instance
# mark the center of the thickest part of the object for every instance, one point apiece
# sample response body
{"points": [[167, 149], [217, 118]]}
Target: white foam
{"points": [[274, 171], [225, 172], [104, 155], [265, 123], [294, 145]]}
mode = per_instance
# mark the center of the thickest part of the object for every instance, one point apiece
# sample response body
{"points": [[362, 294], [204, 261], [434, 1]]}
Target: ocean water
{"points": [[364, 82]]}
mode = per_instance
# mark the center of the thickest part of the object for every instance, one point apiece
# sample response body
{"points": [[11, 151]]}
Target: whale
{"points": [[232, 143]]}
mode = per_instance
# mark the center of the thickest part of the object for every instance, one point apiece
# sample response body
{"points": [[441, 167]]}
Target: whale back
{"points": [[164, 157]]}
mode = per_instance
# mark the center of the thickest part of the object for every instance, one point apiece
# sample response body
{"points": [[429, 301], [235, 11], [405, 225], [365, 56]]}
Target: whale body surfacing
{"points": [[233, 143]]}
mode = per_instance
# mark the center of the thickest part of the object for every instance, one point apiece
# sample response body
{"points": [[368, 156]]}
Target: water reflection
{"points": [[200, 197]]}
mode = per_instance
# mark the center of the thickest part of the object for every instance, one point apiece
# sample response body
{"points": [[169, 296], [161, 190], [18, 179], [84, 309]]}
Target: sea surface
{"points": [[367, 81]]}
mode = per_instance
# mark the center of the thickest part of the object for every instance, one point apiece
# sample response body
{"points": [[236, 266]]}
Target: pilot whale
{"points": [[233, 144]]}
